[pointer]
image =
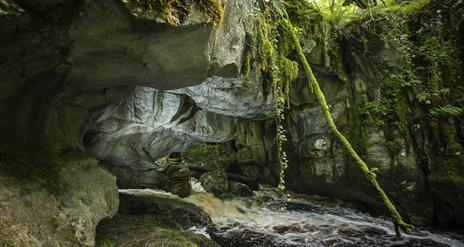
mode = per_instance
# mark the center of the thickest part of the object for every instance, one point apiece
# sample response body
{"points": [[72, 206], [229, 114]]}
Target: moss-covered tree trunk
{"points": [[398, 220]]}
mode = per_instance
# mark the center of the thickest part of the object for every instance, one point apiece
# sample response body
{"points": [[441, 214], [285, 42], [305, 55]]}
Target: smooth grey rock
{"points": [[234, 97]]}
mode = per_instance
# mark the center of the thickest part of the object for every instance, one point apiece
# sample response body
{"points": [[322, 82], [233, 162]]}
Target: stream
{"points": [[270, 219]]}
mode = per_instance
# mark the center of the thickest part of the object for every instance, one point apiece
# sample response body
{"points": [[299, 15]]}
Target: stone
{"points": [[239, 189], [144, 230], [176, 179], [62, 208], [215, 182], [170, 211]]}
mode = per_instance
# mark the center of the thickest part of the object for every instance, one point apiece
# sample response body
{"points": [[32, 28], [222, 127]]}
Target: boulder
{"points": [[169, 210], [135, 230], [215, 182], [54, 203]]}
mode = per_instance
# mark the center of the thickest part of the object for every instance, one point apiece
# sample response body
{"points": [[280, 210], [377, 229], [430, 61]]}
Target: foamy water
{"points": [[265, 220], [269, 219]]}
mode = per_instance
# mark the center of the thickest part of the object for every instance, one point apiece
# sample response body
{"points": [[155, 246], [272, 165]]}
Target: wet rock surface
{"points": [[240, 190], [95, 77], [80, 76]]}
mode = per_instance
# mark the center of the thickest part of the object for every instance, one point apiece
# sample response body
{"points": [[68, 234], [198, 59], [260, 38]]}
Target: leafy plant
{"points": [[375, 113], [446, 111]]}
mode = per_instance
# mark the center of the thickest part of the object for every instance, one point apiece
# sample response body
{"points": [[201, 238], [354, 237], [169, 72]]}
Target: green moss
{"points": [[54, 222], [246, 66], [303, 13], [213, 8], [269, 49], [448, 180], [355, 129], [107, 243], [174, 12], [288, 70], [205, 155]]}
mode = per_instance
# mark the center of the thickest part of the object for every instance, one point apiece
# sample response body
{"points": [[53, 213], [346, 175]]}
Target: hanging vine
{"points": [[268, 52]]}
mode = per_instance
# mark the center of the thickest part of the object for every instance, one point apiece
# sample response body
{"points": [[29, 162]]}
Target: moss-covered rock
{"points": [[154, 218], [215, 182], [54, 202], [170, 210], [178, 12], [143, 230]]}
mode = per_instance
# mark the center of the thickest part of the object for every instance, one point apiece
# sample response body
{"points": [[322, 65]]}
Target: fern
{"points": [[447, 111]]}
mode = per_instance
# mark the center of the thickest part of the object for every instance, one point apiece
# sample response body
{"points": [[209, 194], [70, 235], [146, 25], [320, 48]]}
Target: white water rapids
{"points": [[269, 219]]}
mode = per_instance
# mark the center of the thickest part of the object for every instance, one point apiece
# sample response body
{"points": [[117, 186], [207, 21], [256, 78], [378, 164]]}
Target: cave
{"points": [[199, 123]]}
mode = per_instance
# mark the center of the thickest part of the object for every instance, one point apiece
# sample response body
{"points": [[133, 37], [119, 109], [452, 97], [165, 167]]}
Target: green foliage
{"points": [[205, 154], [426, 58], [343, 12], [446, 111], [336, 12], [419, 81], [402, 7], [375, 113], [302, 13]]}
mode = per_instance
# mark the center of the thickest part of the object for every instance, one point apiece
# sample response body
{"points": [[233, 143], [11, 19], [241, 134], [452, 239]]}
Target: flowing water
{"points": [[270, 219]]}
